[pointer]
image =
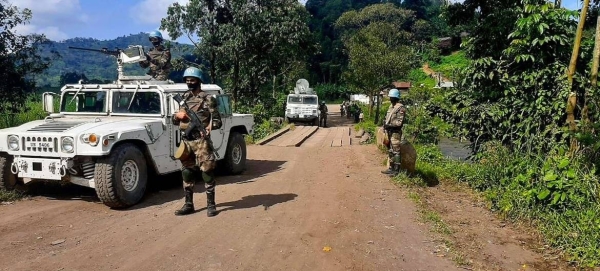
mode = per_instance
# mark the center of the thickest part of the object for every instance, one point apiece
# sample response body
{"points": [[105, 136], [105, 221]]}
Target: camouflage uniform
{"points": [[159, 63], [394, 120], [323, 115], [201, 163]]}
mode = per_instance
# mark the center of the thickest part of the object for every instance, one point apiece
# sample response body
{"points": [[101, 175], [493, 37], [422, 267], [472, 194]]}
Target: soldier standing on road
{"points": [[394, 120], [158, 59], [202, 162], [323, 114]]}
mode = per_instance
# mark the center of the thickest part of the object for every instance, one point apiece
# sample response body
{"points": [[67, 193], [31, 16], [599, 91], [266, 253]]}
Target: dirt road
{"points": [[296, 208]]}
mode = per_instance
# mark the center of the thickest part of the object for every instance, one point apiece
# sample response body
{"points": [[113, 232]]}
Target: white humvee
{"points": [[112, 137]]}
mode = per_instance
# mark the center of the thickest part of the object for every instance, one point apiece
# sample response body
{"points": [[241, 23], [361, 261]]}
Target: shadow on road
{"points": [[265, 200], [161, 188]]}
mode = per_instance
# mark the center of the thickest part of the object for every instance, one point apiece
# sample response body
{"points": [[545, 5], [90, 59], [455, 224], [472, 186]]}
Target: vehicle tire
{"points": [[235, 156], [121, 177], [288, 120], [8, 181], [315, 122]]}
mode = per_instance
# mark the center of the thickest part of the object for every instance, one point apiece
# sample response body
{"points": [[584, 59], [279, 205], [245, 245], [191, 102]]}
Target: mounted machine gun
{"points": [[133, 54]]}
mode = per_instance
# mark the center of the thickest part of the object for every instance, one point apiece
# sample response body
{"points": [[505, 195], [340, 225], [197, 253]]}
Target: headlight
{"points": [[91, 139], [13, 143], [67, 144]]}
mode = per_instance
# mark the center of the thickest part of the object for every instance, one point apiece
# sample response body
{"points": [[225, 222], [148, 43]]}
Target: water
{"points": [[454, 149]]}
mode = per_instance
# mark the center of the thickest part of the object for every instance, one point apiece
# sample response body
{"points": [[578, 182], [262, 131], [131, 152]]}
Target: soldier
{"points": [[200, 163], [158, 59], [323, 114], [394, 120]]}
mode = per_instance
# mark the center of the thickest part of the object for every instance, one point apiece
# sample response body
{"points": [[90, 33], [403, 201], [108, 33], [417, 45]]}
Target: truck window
{"points": [[140, 103], [310, 100], [224, 106], [294, 100], [85, 101]]}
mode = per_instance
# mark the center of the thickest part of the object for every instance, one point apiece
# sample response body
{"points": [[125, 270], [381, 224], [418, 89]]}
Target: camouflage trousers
{"points": [[323, 119], [200, 164], [203, 155], [158, 74], [395, 145], [395, 142]]}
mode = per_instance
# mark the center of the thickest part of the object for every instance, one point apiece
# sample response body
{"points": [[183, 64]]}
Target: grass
{"points": [[448, 64], [513, 186], [32, 110], [9, 196]]}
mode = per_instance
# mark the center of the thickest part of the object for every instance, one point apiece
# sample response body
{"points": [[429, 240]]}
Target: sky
{"points": [[107, 19]]}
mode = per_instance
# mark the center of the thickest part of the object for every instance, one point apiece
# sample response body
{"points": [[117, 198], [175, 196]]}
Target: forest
{"points": [[525, 92]]}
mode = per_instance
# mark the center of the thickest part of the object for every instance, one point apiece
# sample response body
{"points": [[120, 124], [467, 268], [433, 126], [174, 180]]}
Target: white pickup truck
{"points": [[113, 138]]}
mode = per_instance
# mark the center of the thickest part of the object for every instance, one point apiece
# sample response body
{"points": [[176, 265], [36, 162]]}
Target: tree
{"points": [[19, 59], [248, 43], [380, 50], [517, 95]]}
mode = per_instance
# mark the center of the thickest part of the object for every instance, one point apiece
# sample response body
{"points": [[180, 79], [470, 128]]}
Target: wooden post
{"points": [[572, 100]]}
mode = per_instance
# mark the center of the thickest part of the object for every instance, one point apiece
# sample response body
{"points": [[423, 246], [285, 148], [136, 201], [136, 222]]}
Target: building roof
{"points": [[401, 84]]}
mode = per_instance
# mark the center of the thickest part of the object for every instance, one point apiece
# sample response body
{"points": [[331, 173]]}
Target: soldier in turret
{"points": [[200, 161], [158, 59]]}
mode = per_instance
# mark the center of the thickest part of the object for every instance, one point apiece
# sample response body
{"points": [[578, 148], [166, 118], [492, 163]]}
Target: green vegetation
{"points": [[557, 194], [509, 102], [451, 65]]}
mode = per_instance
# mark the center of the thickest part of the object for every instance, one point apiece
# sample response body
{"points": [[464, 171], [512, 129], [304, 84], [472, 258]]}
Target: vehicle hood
{"points": [[73, 126]]}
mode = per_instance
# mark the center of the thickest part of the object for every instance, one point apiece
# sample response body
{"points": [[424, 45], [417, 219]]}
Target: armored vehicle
{"points": [[303, 104], [114, 137]]}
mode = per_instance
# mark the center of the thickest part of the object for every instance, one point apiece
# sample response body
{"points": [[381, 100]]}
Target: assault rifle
{"points": [[195, 123]]}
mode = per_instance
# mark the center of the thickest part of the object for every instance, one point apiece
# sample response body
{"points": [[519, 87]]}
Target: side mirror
{"points": [[48, 101]]}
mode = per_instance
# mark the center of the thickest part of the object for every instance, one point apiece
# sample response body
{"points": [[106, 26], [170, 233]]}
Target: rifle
{"points": [[195, 123]]}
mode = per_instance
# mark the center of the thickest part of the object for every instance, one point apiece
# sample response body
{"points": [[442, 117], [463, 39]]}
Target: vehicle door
{"points": [[220, 136]]}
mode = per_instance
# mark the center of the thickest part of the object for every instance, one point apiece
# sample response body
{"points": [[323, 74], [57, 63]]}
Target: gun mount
{"points": [[132, 54]]}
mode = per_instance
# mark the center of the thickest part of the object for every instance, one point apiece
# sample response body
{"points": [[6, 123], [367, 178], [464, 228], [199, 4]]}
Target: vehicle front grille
{"points": [[41, 144]]}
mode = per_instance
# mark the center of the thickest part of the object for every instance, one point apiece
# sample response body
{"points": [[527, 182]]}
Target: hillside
{"points": [[96, 65]]}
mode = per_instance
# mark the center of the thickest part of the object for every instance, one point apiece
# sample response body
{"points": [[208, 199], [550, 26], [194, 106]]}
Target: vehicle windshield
{"points": [[85, 101], [310, 100], [143, 102], [294, 100]]}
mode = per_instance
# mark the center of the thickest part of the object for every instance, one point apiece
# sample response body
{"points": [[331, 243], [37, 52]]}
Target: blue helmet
{"points": [[394, 93], [193, 72], [155, 34]]}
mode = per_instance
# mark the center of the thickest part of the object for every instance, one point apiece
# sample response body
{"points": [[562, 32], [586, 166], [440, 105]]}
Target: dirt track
{"points": [[279, 215]]}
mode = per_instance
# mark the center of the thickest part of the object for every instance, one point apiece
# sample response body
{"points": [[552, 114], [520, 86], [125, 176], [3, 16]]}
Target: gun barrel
{"points": [[103, 50]]}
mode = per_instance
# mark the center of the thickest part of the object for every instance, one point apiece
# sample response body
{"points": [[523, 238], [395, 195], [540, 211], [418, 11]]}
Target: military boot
{"points": [[211, 208], [188, 206], [395, 165], [390, 170]]}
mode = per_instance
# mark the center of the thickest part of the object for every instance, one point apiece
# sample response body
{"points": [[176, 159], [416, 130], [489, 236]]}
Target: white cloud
{"points": [[150, 12], [51, 32], [50, 15]]}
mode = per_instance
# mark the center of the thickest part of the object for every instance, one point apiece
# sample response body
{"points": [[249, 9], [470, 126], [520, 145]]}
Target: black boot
{"points": [[211, 208], [188, 207], [395, 165], [390, 170]]}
